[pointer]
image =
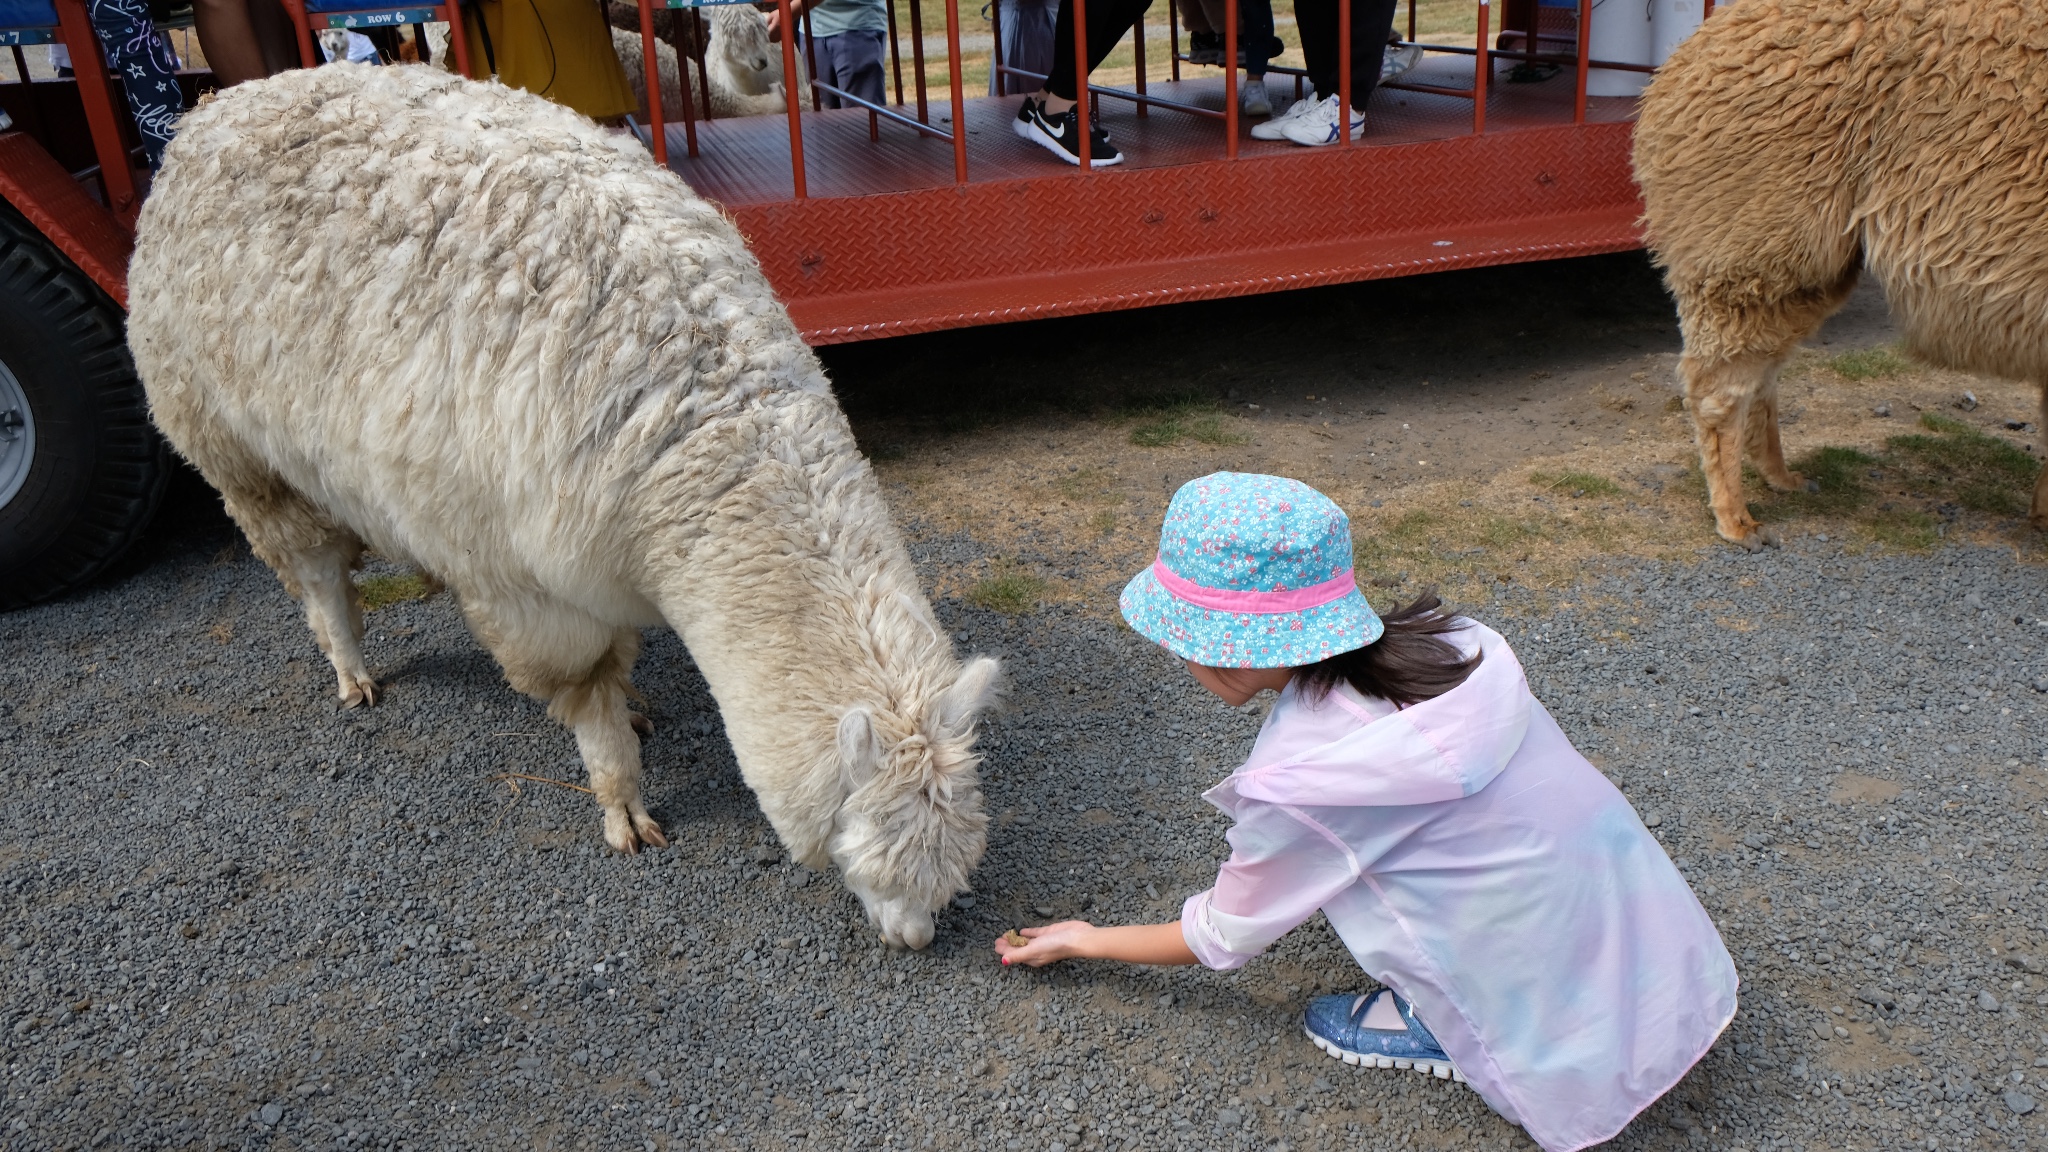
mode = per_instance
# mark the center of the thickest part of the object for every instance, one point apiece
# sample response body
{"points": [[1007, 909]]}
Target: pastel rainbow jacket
{"points": [[1476, 864]]}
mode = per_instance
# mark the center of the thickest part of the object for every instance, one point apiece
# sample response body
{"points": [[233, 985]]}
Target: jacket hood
{"points": [[1441, 749]]}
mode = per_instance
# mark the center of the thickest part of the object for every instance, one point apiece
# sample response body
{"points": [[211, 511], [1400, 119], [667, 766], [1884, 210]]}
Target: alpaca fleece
{"points": [[744, 62], [726, 102], [469, 329], [1790, 143]]}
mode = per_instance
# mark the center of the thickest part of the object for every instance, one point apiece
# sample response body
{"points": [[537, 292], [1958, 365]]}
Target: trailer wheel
{"points": [[81, 468]]}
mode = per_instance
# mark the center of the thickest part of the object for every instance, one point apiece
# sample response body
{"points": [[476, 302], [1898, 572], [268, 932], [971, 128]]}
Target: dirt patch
{"points": [[1855, 788], [1395, 399]]}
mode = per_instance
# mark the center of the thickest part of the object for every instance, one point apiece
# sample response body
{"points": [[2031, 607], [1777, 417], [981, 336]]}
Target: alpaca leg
{"points": [[2038, 514], [1801, 316], [313, 556], [582, 667], [607, 733], [1764, 447], [1720, 394]]}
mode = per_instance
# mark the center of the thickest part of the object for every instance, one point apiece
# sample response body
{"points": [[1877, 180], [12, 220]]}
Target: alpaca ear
{"points": [[860, 752], [970, 695]]}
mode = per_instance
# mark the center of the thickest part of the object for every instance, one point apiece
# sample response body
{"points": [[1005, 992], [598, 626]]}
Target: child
{"points": [[1408, 785]]}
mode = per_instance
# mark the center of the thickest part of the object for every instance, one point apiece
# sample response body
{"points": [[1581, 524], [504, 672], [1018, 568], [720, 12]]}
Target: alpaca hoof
{"points": [[1750, 543], [641, 724], [626, 832], [650, 832], [1770, 536], [357, 690]]}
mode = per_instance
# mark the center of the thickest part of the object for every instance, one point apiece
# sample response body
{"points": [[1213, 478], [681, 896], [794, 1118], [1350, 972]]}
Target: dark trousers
{"points": [[852, 62], [1108, 20], [140, 59], [1255, 29], [1372, 21]]}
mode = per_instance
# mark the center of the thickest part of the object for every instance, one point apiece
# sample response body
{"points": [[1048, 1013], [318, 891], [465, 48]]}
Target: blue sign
{"points": [[389, 19]]}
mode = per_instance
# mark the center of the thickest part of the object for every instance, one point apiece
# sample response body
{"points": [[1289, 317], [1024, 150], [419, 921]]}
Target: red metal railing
{"points": [[105, 111], [658, 129], [1483, 52]]}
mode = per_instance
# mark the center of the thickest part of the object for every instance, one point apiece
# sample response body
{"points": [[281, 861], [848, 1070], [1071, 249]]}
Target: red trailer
{"points": [[870, 221]]}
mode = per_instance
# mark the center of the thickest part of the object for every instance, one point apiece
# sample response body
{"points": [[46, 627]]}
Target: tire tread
{"points": [[132, 461]]}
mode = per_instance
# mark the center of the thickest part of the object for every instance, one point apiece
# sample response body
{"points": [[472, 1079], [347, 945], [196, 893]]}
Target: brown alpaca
{"points": [[1789, 144]]}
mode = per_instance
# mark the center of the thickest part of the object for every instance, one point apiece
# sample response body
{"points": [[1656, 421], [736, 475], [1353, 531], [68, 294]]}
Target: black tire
{"points": [[86, 466]]}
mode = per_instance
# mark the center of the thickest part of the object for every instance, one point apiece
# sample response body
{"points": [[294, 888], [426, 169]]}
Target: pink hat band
{"points": [[1239, 600]]}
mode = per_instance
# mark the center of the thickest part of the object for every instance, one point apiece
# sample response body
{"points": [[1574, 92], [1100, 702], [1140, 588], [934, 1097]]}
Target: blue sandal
{"points": [[1335, 1024]]}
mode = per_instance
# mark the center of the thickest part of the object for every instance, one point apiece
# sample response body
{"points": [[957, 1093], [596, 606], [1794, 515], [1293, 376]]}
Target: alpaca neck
{"points": [[797, 603]]}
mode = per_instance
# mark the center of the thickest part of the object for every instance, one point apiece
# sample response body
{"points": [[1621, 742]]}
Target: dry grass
{"points": [[1575, 484], [1088, 490], [382, 591]]}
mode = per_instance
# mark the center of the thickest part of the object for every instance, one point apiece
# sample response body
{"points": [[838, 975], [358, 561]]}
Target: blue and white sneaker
{"points": [[1335, 1024], [1317, 125]]}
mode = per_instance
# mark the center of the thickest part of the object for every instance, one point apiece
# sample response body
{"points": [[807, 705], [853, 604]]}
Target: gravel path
{"points": [[237, 917]]}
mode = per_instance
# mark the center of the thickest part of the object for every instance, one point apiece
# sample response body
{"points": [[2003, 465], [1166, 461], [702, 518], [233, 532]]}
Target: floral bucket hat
{"points": [[1253, 572]]}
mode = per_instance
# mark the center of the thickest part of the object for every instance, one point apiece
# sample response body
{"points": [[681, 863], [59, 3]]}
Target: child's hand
{"points": [[1044, 945]]}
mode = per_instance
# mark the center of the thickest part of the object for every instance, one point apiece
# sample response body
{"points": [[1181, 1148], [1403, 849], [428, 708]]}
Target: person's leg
{"points": [[1372, 21], [1052, 116], [228, 40], [1205, 38], [829, 67], [1108, 20], [244, 39], [860, 65], [1256, 35], [275, 36], [137, 54], [1316, 21]]}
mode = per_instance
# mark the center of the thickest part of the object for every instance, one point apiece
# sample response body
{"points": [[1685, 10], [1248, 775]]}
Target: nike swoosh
{"points": [[1057, 130]]}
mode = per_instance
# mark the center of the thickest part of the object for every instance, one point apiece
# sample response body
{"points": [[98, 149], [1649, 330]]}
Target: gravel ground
{"points": [[239, 917]]}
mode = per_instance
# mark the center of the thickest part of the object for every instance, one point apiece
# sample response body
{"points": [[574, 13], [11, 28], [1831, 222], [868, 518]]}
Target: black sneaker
{"points": [[1061, 134], [1205, 48], [1025, 111]]}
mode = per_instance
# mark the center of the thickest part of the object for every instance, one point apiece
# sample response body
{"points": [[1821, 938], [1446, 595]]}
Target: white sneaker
{"points": [[1399, 62], [1276, 128], [1252, 98], [1318, 126]]}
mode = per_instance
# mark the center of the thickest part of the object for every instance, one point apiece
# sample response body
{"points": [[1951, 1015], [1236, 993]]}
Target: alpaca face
{"points": [[911, 826], [740, 36]]}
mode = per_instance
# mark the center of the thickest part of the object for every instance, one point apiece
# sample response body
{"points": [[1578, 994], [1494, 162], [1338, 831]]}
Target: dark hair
{"points": [[1409, 664]]}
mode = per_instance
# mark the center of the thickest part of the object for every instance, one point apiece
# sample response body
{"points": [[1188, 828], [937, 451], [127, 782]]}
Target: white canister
{"points": [[1620, 35], [1671, 21]]}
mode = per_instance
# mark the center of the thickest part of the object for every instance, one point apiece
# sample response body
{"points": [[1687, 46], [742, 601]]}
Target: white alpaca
{"points": [[470, 329], [743, 60], [725, 102], [744, 65]]}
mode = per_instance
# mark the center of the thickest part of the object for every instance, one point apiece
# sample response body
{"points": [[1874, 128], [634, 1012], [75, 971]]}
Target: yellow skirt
{"points": [[560, 49]]}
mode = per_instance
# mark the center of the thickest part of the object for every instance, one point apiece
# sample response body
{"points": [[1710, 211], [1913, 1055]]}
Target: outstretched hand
{"points": [[1046, 944]]}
